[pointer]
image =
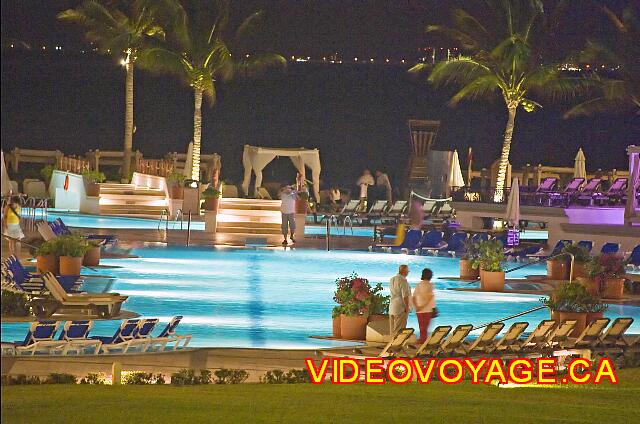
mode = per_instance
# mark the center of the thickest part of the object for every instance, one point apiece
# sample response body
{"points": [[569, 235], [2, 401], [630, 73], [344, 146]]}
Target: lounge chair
{"points": [[456, 245], [545, 187], [510, 338], [432, 344], [27, 282], [75, 335], [395, 211], [45, 231], [39, 338], [485, 341], [537, 339], [376, 211], [586, 244], [60, 229], [559, 335], [610, 248], [168, 336], [557, 249], [445, 210], [590, 337], [121, 339], [96, 304], [570, 191], [590, 188], [411, 241], [614, 338], [455, 341], [349, 209], [613, 195], [634, 258], [398, 343], [431, 241]]}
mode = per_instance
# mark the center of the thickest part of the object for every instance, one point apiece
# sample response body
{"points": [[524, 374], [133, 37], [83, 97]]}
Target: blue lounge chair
{"points": [[121, 338], [526, 252], [634, 258], [455, 246], [431, 241], [587, 244], [609, 248], [76, 336], [169, 336], [411, 242], [25, 281], [60, 229], [557, 249], [39, 338]]}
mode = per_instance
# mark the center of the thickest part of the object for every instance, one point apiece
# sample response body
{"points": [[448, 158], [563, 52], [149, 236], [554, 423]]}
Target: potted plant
{"points": [[92, 180], [46, 260], [580, 258], [569, 301], [353, 295], [378, 304], [607, 272], [70, 249], [211, 198], [92, 256], [558, 267], [175, 181], [489, 262], [467, 271], [595, 309], [302, 204]]}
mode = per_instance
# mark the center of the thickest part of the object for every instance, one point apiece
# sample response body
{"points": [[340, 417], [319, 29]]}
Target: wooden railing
{"points": [[72, 164], [157, 167]]}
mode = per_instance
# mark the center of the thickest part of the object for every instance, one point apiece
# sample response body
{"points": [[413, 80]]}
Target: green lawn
{"points": [[462, 403]]}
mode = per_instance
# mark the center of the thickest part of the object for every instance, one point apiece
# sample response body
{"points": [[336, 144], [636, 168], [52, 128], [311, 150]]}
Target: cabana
{"points": [[256, 158]]}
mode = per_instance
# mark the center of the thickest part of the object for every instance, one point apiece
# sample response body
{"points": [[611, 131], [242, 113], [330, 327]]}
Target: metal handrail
{"points": [[528, 311], [164, 214], [188, 228]]}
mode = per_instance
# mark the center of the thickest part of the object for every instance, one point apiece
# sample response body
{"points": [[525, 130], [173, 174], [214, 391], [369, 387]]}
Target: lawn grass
{"points": [[436, 402]]}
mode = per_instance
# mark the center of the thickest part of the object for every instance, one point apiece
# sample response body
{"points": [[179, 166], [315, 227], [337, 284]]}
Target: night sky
{"points": [[353, 112]]}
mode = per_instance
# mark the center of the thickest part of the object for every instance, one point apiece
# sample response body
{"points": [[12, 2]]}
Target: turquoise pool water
{"points": [[277, 298]]}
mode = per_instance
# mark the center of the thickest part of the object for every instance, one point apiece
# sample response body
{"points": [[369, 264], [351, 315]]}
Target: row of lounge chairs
{"points": [[432, 242], [386, 212], [56, 228], [577, 192], [18, 278], [133, 335], [546, 339], [632, 258]]}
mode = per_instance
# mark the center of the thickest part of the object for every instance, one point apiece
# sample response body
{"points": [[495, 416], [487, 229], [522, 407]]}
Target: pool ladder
{"points": [[164, 216]]}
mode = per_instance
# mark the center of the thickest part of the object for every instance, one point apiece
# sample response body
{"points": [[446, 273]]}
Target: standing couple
{"points": [[423, 300]]}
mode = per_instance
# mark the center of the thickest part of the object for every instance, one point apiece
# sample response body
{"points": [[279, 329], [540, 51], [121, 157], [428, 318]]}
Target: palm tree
{"points": [[504, 47], [621, 92], [197, 52], [121, 27]]}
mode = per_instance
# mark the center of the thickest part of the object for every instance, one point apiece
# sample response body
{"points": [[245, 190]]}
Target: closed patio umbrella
{"points": [[455, 173], [512, 215], [580, 165]]}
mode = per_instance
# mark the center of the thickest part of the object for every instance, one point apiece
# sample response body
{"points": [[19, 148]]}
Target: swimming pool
{"points": [[277, 298]]}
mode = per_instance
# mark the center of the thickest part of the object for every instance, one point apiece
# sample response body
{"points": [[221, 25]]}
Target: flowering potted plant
{"points": [[607, 272], [489, 261], [175, 180], [467, 271], [353, 296], [569, 301], [211, 198], [379, 304], [92, 180]]}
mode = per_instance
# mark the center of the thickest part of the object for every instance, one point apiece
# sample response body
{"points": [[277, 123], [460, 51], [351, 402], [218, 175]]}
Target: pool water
{"points": [[277, 298]]}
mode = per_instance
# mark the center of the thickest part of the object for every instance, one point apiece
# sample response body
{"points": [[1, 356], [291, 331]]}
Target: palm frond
{"points": [[598, 106], [162, 60], [462, 70], [479, 88], [249, 27], [467, 42], [257, 65]]}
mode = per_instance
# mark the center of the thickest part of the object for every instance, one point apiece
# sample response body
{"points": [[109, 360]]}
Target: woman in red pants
{"points": [[425, 302]]}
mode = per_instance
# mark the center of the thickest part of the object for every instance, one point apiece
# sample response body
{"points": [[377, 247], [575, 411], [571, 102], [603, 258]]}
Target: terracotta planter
{"points": [[93, 190], [211, 204], [92, 257], [580, 317], [336, 327], [555, 315], [177, 192], [590, 284], [378, 317], [466, 271], [613, 288], [301, 206], [492, 281], [70, 265], [353, 328], [557, 270], [592, 316], [47, 263], [579, 270]]}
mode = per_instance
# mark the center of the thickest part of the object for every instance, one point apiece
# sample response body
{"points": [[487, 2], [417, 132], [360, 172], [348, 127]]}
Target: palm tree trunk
{"points": [[504, 157], [197, 133], [128, 117]]}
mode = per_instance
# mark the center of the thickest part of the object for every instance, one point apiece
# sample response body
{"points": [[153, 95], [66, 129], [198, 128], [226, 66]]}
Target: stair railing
{"points": [[164, 216]]}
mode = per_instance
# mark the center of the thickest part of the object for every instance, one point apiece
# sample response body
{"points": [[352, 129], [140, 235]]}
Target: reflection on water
{"points": [[278, 298]]}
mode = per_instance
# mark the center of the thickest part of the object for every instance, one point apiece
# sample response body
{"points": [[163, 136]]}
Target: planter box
{"points": [[336, 328], [92, 257], [466, 271], [492, 281], [592, 316], [93, 190], [177, 192], [211, 204], [70, 265], [557, 270], [47, 263], [613, 288], [579, 270], [378, 318], [580, 317], [353, 328]]}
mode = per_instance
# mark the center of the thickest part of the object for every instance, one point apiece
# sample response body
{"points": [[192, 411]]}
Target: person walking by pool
{"points": [[399, 301], [365, 180], [425, 302], [288, 196], [383, 183], [11, 224]]}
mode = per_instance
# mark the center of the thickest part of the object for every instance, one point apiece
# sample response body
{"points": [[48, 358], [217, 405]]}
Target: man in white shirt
{"points": [[365, 180], [399, 302], [288, 196], [382, 181], [425, 302]]}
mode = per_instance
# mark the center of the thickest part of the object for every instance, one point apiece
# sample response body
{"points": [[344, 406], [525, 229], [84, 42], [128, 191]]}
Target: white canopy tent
{"points": [[257, 158]]}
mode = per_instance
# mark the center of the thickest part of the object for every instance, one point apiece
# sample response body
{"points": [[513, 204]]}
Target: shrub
{"points": [[94, 378], [379, 302], [93, 176], [490, 256], [175, 178], [70, 245], [47, 248], [274, 377], [47, 172], [580, 254], [230, 376], [188, 377], [211, 193], [568, 297], [60, 378], [20, 379], [141, 378], [281, 377], [14, 304]]}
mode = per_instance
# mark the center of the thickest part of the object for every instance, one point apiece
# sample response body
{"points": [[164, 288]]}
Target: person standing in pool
{"points": [[288, 196], [399, 302], [425, 302]]}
